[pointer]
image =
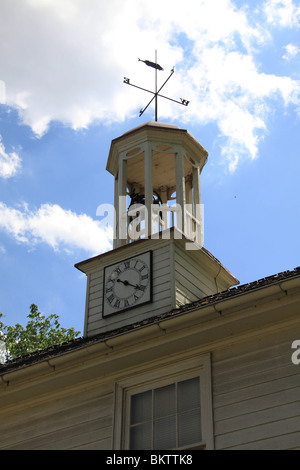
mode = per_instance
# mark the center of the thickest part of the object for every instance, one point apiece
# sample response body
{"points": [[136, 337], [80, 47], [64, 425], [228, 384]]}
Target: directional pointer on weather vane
{"points": [[157, 67], [151, 64]]}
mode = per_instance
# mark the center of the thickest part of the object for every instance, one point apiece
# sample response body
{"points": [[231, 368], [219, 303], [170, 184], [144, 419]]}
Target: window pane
{"points": [[189, 428], [165, 433], [141, 407], [164, 401], [140, 437], [189, 394]]}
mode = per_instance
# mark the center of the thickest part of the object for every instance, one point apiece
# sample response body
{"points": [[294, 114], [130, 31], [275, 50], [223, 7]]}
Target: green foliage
{"points": [[40, 333]]}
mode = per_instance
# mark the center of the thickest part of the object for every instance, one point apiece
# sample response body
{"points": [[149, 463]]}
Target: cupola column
{"points": [[120, 208], [180, 189], [148, 185]]}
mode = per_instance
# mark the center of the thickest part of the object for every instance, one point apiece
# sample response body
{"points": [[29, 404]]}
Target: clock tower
{"points": [[158, 261]]}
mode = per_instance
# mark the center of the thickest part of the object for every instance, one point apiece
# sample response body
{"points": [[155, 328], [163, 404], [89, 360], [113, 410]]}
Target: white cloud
{"points": [[233, 163], [66, 61], [59, 228], [10, 163], [285, 13], [229, 89], [291, 51]]}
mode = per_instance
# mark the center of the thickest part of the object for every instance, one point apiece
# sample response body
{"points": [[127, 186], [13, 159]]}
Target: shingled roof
{"points": [[78, 343]]}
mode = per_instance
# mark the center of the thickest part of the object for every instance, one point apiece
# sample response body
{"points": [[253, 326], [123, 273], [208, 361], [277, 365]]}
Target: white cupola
{"points": [[157, 165]]}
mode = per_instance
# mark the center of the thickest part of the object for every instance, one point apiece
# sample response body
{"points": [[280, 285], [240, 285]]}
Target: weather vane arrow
{"points": [[157, 67]]}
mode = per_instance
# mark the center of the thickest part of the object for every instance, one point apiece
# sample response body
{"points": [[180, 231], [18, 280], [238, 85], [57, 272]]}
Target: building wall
{"points": [[77, 421], [255, 392], [256, 395], [194, 278]]}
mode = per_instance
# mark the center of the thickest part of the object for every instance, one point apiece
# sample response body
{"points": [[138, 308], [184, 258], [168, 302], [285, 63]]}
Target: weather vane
{"points": [[157, 67]]}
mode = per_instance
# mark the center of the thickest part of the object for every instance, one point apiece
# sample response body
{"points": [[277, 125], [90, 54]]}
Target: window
{"points": [[172, 410], [166, 417]]}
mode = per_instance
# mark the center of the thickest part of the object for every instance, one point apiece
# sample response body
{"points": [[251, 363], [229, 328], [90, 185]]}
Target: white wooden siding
{"points": [[75, 422], [192, 281], [256, 396]]}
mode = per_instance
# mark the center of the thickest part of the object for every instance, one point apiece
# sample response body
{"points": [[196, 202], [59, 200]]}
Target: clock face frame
{"points": [[127, 284]]}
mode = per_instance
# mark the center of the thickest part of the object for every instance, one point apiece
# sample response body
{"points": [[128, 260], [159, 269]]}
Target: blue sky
{"points": [[62, 101]]}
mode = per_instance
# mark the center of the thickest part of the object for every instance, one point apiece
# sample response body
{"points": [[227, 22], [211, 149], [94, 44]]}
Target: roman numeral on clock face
{"points": [[142, 288]]}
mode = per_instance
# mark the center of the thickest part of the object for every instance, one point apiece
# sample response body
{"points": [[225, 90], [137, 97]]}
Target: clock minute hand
{"points": [[141, 287], [126, 283]]}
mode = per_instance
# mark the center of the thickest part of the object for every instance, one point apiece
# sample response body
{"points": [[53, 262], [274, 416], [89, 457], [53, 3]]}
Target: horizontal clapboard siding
{"points": [[191, 280], [75, 422], [256, 396], [162, 297]]}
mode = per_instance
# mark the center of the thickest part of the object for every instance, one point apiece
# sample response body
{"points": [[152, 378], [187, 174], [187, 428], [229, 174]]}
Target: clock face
{"points": [[127, 284]]}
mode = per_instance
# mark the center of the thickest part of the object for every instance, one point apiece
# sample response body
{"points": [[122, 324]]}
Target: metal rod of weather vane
{"points": [[155, 86], [157, 94], [184, 102]]}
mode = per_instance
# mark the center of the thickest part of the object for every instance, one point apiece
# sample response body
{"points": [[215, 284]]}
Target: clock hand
{"points": [[140, 287], [126, 283]]}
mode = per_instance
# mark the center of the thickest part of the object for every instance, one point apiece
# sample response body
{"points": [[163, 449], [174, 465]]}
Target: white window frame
{"points": [[159, 374]]}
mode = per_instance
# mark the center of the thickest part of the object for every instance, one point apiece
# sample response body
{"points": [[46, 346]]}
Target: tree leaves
{"points": [[40, 333]]}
